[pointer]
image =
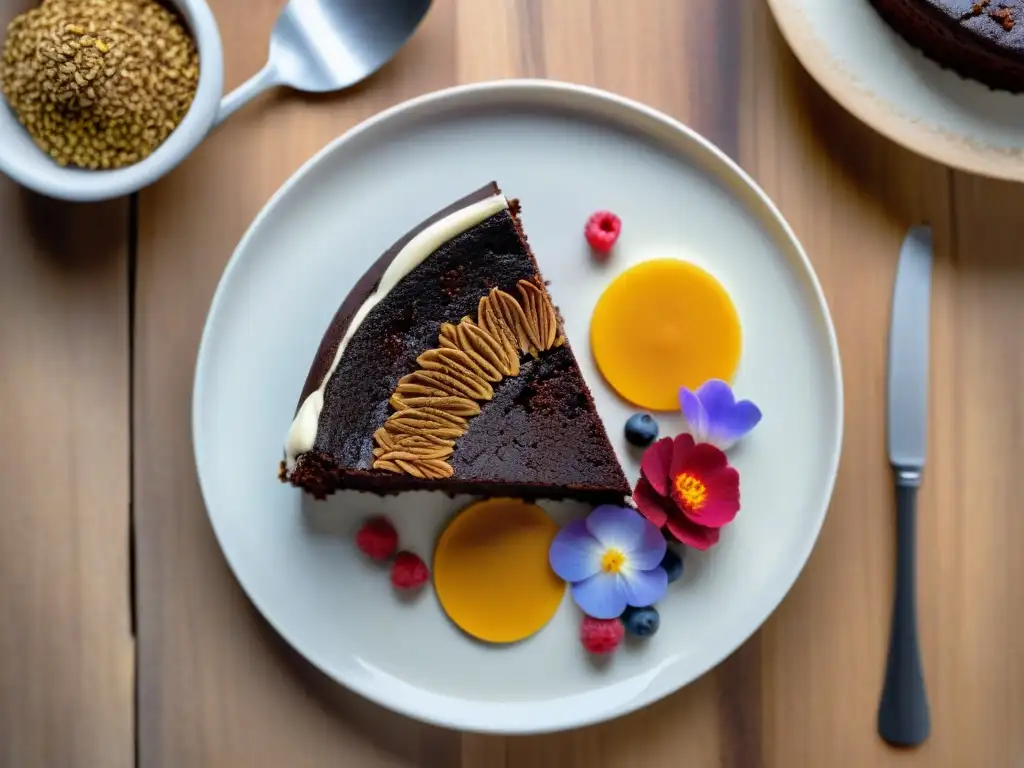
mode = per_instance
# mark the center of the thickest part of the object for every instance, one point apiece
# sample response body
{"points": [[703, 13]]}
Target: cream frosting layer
{"points": [[303, 430]]}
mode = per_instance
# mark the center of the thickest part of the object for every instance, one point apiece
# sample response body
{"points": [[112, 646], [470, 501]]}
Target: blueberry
{"points": [[641, 622], [673, 565], [641, 429]]}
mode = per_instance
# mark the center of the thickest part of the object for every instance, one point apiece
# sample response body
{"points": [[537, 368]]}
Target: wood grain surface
{"points": [[66, 646], [215, 687]]}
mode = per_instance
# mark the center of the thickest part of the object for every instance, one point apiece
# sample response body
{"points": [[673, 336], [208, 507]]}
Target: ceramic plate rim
{"points": [[525, 89], [877, 113]]}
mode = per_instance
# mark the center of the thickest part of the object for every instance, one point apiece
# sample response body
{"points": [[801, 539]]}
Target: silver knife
{"points": [[903, 717]]}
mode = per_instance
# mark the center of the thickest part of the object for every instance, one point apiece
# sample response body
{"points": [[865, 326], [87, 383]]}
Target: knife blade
{"points": [[908, 352], [903, 717]]}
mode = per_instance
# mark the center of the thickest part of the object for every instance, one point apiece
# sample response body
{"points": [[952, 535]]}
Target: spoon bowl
{"points": [[328, 45]]}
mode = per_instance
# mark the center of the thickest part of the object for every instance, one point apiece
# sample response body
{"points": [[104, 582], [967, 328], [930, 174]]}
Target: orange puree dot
{"points": [[661, 325], [491, 570]]}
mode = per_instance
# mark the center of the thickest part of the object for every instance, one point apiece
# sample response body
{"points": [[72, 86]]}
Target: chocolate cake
{"points": [[979, 39], [453, 374]]}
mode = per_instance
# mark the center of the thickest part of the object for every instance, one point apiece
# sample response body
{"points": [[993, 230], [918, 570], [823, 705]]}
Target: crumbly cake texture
{"points": [[538, 437], [979, 39]]}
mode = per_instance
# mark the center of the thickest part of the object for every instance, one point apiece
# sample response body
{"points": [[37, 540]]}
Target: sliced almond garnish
{"points": [[448, 385], [383, 438], [453, 361], [417, 453], [456, 366], [432, 405], [459, 406], [436, 469], [445, 416], [492, 322], [486, 352], [531, 300], [545, 318], [410, 467], [514, 316], [416, 424], [448, 337], [423, 440], [408, 390]]}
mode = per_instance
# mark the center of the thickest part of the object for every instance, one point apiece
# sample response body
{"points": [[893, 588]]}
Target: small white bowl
{"points": [[24, 162]]}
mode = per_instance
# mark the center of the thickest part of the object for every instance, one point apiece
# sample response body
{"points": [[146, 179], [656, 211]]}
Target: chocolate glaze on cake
{"points": [[539, 436], [979, 39]]}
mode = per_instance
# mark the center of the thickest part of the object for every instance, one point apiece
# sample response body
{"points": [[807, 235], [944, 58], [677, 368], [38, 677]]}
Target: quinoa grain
{"points": [[99, 84]]}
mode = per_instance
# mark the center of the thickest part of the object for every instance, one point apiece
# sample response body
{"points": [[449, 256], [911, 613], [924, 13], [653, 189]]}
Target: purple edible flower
{"points": [[612, 559], [714, 416]]}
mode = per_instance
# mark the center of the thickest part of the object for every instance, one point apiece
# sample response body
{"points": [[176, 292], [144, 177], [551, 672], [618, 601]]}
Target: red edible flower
{"points": [[687, 489]]}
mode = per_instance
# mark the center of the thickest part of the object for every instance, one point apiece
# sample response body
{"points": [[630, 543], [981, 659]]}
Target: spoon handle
{"points": [[246, 92], [903, 712]]}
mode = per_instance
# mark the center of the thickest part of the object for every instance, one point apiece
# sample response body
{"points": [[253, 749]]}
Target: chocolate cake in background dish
{"points": [[446, 368], [979, 39]]}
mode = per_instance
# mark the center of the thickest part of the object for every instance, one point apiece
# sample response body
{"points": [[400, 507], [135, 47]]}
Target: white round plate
{"points": [[885, 82], [565, 151]]}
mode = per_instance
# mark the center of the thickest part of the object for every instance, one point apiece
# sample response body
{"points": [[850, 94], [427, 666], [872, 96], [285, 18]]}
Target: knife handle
{"points": [[903, 718]]}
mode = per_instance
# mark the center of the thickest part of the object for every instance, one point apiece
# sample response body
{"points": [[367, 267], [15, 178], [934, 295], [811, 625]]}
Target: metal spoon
{"points": [[327, 45]]}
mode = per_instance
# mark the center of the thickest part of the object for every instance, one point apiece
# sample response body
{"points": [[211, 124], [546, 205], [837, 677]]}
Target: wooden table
{"points": [[124, 638]]}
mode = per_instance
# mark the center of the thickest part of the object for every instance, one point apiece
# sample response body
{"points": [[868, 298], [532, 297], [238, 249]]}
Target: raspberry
{"points": [[377, 539], [601, 635], [408, 571], [602, 230]]}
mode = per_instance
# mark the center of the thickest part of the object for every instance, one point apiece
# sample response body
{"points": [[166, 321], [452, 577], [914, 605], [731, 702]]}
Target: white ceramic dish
{"points": [[896, 90], [28, 165], [565, 151]]}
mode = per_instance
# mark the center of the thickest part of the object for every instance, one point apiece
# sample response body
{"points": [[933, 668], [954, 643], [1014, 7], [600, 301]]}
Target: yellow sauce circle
{"points": [[491, 571], [661, 325]]}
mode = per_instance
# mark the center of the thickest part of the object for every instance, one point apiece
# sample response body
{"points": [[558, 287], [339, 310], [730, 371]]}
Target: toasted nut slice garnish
{"points": [[423, 440], [448, 337], [411, 467], [416, 422], [436, 469], [503, 318], [451, 418], [545, 318], [489, 353], [453, 361], [383, 438], [459, 406], [496, 328], [416, 453], [432, 405], [515, 317], [420, 390], [531, 298], [455, 366], [449, 385], [424, 428]]}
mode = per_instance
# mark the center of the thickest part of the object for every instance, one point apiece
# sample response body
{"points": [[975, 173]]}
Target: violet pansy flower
{"points": [[612, 559], [713, 415]]}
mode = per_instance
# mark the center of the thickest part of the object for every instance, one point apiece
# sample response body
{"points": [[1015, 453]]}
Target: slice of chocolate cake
{"points": [[446, 368], [979, 39]]}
